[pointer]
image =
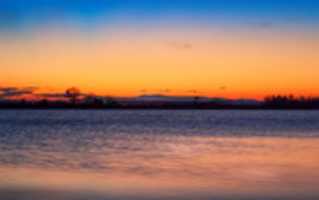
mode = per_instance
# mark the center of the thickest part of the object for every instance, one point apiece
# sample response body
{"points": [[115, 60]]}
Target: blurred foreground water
{"points": [[81, 155]]}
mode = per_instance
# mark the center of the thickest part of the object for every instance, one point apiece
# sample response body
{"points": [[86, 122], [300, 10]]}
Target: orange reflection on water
{"points": [[184, 168]]}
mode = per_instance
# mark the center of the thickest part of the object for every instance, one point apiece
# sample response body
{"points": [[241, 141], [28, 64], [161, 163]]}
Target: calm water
{"points": [[84, 155]]}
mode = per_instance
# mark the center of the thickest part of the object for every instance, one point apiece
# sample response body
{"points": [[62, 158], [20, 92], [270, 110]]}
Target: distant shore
{"points": [[156, 108], [76, 100]]}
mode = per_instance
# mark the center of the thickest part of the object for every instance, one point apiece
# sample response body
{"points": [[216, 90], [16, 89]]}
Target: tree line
{"points": [[74, 98]]}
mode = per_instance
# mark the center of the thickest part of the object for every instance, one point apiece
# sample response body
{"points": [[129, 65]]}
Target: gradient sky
{"points": [[229, 48]]}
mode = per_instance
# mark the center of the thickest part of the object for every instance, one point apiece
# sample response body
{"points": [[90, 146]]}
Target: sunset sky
{"points": [[228, 48]]}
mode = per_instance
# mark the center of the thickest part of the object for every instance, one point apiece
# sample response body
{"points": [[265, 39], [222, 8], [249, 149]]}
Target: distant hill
{"points": [[158, 101]]}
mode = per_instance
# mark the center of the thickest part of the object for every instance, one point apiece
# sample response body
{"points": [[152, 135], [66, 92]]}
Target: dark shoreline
{"points": [[165, 103], [157, 108]]}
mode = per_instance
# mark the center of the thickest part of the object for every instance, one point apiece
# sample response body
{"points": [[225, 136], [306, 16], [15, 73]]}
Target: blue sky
{"points": [[121, 47], [15, 14]]}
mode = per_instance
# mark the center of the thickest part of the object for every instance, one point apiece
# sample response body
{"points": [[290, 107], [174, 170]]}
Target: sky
{"points": [[225, 48]]}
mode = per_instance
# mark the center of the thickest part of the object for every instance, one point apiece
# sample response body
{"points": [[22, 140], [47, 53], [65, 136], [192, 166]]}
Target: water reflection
{"points": [[146, 166]]}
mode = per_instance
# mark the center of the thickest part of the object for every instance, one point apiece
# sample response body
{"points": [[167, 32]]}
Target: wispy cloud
{"points": [[193, 91], [50, 95], [160, 91], [181, 45], [223, 87], [7, 92], [21, 92]]}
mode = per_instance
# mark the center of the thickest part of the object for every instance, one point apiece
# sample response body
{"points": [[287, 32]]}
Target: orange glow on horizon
{"points": [[120, 62]]}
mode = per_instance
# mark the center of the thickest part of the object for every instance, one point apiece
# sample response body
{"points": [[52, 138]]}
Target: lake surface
{"points": [[159, 154]]}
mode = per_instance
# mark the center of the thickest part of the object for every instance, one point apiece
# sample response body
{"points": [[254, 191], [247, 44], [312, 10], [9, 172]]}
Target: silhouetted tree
{"points": [[93, 101], [279, 101], [43, 103], [195, 100], [73, 94], [111, 102]]}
